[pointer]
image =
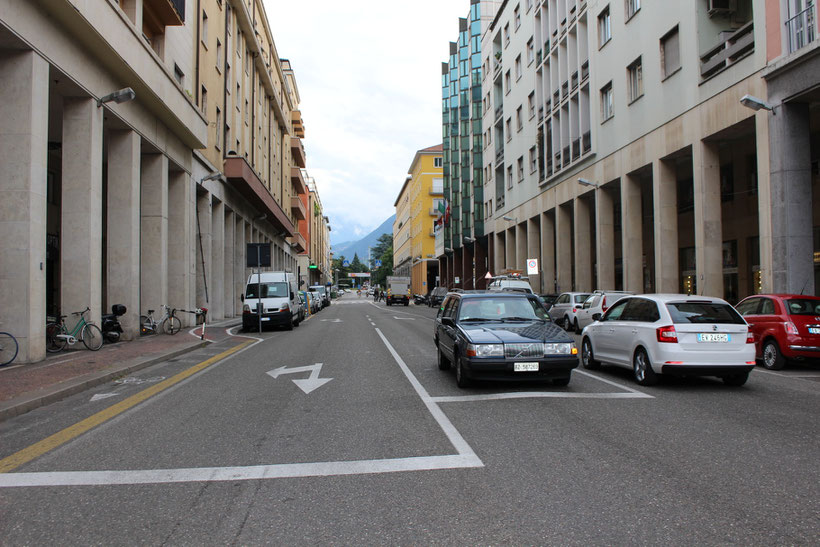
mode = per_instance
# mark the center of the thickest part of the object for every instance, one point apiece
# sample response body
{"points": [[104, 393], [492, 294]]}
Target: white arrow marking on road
{"points": [[404, 318], [308, 385], [332, 320], [100, 396]]}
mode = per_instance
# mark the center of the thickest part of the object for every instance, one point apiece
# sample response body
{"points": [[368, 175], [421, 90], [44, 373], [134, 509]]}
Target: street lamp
{"points": [[121, 96], [756, 104], [585, 182], [510, 219]]}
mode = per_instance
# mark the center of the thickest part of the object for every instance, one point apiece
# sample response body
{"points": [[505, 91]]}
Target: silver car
{"points": [[564, 308], [598, 302]]}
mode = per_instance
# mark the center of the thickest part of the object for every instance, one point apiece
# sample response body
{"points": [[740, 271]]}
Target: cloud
{"points": [[369, 79]]}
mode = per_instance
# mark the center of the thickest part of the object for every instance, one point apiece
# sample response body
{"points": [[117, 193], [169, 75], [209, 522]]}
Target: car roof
{"points": [[667, 298], [785, 295], [496, 294]]}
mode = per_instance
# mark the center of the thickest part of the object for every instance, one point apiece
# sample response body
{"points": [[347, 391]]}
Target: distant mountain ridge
{"points": [[350, 248]]}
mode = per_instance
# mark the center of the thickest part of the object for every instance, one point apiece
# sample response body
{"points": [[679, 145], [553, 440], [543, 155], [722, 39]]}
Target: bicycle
{"points": [[8, 348], [57, 334], [169, 323]]}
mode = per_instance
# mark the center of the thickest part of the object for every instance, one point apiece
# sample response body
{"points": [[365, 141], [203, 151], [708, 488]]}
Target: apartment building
{"points": [[672, 145], [461, 245], [425, 190], [402, 233]]}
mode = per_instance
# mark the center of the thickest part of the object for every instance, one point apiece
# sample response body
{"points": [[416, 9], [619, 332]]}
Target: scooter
{"points": [[111, 328], [420, 299]]}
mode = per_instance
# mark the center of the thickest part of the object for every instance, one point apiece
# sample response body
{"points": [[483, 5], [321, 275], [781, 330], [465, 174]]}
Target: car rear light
{"points": [[673, 363], [574, 310], [750, 338], [667, 334], [751, 362], [604, 307], [790, 328]]}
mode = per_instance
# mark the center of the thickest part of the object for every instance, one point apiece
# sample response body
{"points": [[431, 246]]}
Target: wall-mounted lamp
{"points": [[585, 182], [467, 239], [213, 176], [756, 104], [510, 219], [448, 250], [121, 96]]}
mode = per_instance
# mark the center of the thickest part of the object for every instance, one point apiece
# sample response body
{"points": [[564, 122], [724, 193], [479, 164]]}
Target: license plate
{"points": [[266, 319], [713, 337], [814, 330], [525, 367]]}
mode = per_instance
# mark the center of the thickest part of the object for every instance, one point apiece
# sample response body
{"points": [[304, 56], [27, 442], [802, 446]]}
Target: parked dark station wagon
{"points": [[502, 336]]}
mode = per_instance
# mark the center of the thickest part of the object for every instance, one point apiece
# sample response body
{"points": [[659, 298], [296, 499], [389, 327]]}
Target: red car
{"points": [[785, 326]]}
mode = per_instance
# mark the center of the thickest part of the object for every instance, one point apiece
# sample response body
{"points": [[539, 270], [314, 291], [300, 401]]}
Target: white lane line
{"points": [[408, 313], [619, 386], [797, 374], [254, 472], [538, 395], [444, 422]]}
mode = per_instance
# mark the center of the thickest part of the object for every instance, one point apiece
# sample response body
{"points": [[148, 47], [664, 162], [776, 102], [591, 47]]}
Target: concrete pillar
{"points": [[203, 271], [510, 248], [548, 272], [791, 200], [708, 222], [583, 245], [632, 233], [81, 224], [123, 230], [458, 267], [480, 261], [467, 267], [534, 251], [154, 231], [563, 243], [181, 239], [217, 309], [605, 238], [521, 247], [229, 300], [500, 252], [764, 201], [665, 197], [23, 156], [239, 263]]}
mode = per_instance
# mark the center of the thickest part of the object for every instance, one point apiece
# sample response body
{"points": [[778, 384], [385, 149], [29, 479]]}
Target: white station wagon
{"points": [[671, 334]]}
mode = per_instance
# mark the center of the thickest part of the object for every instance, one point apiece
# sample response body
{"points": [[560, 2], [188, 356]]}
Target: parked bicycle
{"points": [[169, 323], [8, 348], [58, 335]]}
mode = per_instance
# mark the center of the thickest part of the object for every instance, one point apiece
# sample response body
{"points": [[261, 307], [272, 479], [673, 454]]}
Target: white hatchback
{"points": [[671, 334]]}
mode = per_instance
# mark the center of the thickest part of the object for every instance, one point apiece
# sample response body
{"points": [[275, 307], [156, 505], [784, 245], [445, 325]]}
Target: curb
{"points": [[45, 396]]}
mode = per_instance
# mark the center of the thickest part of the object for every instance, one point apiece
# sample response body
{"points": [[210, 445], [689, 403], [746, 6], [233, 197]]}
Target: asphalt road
{"points": [[371, 444]]}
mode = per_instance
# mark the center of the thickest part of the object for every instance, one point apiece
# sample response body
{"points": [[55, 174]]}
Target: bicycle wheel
{"points": [[171, 325], [53, 342], [92, 337], [145, 325], [8, 348]]}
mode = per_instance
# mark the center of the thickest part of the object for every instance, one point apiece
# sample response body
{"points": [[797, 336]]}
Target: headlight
{"points": [[246, 308], [485, 350], [559, 349]]}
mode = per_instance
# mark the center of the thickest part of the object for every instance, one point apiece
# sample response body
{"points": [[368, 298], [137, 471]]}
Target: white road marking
{"points": [[307, 385], [405, 312], [539, 395], [100, 396], [797, 374], [404, 318], [619, 386]]}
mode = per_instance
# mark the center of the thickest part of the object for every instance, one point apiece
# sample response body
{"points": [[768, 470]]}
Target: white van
{"points": [[280, 301]]}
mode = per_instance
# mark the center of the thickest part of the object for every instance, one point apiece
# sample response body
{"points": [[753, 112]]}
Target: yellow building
{"points": [[423, 190]]}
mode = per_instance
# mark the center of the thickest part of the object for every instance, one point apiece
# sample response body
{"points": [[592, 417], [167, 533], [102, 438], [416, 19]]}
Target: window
{"points": [[670, 53], [509, 129], [179, 76], [607, 107], [203, 104], [604, 28], [506, 35], [533, 160], [204, 30], [520, 168], [635, 80], [517, 16], [437, 162], [508, 81], [529, 5], [632, 7], [509, 176], [218, 128], [519, 122], [530, 52], [218, 55], [531, 105], [517, 68]]}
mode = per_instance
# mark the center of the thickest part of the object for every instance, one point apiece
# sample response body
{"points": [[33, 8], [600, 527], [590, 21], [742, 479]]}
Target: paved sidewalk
{"points": [[26, 387]]}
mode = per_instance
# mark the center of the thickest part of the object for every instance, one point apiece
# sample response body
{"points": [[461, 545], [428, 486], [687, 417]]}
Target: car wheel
{"points": [[587, 357], [461, 378], [289, 326], [443, 362], [642, 369], [566, 324], [772, 357], [560, 382], [577, 328], [736, 380]]}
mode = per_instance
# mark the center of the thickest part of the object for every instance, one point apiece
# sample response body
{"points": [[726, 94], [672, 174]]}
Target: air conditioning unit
{"points": [[721, 7]]}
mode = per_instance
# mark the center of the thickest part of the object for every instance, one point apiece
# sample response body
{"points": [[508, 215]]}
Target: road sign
{"points": [[532, 266], [345, 263], [378, 263]]}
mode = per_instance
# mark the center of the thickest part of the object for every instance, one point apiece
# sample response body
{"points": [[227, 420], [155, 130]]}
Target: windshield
{"points": [[497, 309], [269, 290], [803, 306], [703, 312], [579, 298], [318, 288]]}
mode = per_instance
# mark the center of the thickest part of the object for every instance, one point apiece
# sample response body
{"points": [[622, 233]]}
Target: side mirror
{"points": [[596, 316], [292, 296], [448, 322], [242, 297]]}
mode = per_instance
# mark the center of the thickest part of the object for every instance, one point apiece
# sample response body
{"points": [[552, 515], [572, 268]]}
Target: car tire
{"points": [[577, 329], [566, 324], [642, 369], [736, 380], [289, 326], [461, 379], [443, 362], [772, 357], [587, 357], [560, 382]]}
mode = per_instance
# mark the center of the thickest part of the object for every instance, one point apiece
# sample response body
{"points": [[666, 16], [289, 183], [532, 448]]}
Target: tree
{"points": [[357, 265], [384, 252]]}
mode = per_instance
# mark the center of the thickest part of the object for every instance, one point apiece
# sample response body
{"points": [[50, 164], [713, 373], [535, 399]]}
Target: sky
{"points": [[369, 79]]}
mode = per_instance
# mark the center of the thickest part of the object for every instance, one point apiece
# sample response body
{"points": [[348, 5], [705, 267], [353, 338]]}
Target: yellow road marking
{"points": [[50, 443]]}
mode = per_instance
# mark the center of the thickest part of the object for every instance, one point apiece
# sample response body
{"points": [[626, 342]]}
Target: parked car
{"points": [[321, 289], [564, 308], [510, 283], [502, 335], [676, 334], [317, 296], [786, 327], [437, 296], [547, 300], [598, 302], [275, 292]]}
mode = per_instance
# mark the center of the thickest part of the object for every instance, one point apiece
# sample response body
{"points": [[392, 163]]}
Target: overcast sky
{"points": [[369, 77]]}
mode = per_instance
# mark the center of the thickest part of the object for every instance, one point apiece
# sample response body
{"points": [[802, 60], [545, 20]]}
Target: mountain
{"points": [[351, 248]]}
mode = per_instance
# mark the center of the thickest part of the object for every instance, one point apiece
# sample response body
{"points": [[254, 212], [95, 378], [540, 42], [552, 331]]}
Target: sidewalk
{"points": [[26, 387]]}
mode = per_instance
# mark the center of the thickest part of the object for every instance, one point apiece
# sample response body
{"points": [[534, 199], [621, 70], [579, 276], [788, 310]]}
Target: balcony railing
{"points": [[736, 46], [499, 155], [574, 80], [576, 149], [585, 70], [499, 111], [801, 29], [565, 89]]}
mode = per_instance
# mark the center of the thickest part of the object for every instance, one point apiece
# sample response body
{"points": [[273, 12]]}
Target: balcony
{"points": [[499, 112], [298, 243], [576, 149], [574, 80], [298, 151], [730, 50], [499, 155], [801, 29], [540, 114], [243, 179], [564, 89], [298, 126], [585, 70], [298, 208], [587, 142], [168, 13]]}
